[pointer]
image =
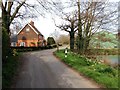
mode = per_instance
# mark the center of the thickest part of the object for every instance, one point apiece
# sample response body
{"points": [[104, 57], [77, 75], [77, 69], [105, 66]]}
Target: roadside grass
{"points": [[103, 74], [8, 71]]}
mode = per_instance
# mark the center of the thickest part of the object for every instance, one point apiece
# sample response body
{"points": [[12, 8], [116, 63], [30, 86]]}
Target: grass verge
{"points": [[8, 71], [103, 74]]}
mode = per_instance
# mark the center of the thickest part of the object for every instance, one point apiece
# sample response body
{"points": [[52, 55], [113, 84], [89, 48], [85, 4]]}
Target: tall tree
{"points": [[92, 16], [7, 18], [70, 26], [55, 35], [12, 9], [7, 15], [50, 41], [80, 38], [64, 39]]}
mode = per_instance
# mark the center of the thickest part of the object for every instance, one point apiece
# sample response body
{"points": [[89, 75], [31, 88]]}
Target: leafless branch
{"points": [[16, 11]]}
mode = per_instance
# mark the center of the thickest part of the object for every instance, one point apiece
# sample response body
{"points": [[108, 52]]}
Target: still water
{"points": [[114, 59]]}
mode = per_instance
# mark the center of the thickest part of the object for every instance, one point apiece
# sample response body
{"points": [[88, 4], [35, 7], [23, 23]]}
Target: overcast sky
{"points": [[0, 12], [46, 25]]}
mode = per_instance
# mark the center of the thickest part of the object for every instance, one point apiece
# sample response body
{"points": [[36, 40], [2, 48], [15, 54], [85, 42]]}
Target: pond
{"points": [[114, 59]]}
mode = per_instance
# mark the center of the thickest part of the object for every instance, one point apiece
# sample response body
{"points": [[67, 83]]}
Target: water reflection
{"points": [[114, 59]]}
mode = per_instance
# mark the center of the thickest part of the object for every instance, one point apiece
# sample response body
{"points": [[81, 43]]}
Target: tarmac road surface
{"points": [[41, 69]]}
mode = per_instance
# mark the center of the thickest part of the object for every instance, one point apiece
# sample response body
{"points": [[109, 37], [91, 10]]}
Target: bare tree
{"points": [[55, 34], [64, 39], [92, 17], [70, 26], [8, 15], [12, 9]]}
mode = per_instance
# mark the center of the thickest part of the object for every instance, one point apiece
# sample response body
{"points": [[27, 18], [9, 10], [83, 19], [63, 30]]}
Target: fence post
{"points": [[66, 52]]}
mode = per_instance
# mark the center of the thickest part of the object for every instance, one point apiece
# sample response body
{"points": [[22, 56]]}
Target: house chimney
{"points": [[31, 23]]}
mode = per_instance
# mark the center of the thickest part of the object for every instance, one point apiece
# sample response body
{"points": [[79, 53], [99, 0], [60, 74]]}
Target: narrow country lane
{"points": [[41, 69]]}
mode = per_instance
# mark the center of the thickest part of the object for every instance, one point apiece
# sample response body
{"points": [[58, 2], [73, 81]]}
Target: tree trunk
{"points": [[71, 40], [80, 38], [81, 45], [6, 21], [5, 36], [86, 44]]}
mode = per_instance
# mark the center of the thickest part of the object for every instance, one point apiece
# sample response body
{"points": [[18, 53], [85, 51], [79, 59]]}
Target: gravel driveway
{"points": [[41, 69]]}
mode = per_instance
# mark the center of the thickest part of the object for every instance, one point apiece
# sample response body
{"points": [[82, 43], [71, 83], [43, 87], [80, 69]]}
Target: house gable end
{"points": [[33, 29], [21, 30], [30, 27]]}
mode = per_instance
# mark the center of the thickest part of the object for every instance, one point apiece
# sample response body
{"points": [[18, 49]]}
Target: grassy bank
{"points": [[99, 72], [8, 71]]}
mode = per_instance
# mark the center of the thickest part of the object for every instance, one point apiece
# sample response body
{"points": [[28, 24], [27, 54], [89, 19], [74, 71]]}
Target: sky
{"points": [[0, 12], [46, 25]]}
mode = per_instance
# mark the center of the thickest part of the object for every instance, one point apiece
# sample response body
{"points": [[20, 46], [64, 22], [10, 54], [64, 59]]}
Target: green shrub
{"points": [[50, 41], [9, 70], [54, 45], [6, 51], [108, 70]]}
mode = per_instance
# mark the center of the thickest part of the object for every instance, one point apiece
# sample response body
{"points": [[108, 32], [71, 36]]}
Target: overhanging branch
{"points": [[16, 11]]}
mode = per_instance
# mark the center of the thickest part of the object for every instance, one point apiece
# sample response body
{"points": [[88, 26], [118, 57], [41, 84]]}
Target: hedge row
{"points": [[25, 49]]}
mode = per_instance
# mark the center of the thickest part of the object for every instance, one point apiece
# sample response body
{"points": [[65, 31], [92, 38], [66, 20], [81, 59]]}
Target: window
{"points": [[40, 37], [13, 44], [23, 38], [27, 30], [22, 44]]}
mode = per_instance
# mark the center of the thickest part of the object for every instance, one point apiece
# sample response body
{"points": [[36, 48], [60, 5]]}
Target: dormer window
{"points": [[27, 30]]}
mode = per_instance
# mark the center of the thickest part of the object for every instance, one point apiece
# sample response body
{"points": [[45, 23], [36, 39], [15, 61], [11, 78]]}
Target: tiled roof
{"points": [[13, 38], [31, 24], [35, 29]]}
